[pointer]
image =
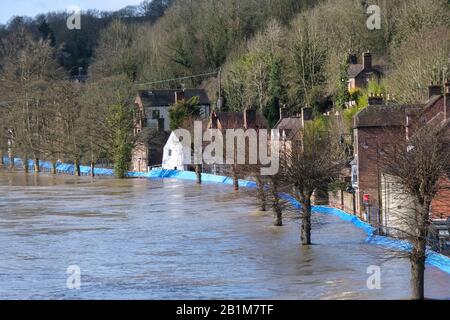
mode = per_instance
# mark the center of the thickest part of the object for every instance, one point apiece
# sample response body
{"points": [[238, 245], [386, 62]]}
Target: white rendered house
{"points": [[176, 154]]}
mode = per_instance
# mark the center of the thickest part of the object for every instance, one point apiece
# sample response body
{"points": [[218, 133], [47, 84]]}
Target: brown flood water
{"points": [[169, 239]]}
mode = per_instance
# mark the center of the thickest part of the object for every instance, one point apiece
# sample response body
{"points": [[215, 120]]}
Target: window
{"points": [[170, 152], [155, 114]]}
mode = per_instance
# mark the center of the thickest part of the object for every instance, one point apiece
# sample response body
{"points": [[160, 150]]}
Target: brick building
{"points": [[375, 128], [360, 74]]}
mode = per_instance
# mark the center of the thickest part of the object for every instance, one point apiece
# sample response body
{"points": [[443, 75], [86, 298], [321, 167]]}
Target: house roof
{"points": [[235, 120], [166, 98], [382, 115], [291, 125], [355, 69], [431, 102], [439, 121], [230, 119]]}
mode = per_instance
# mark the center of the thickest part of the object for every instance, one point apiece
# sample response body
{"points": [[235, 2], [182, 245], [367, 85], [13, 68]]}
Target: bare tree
{"points": [[29, 67], [419, 167], [311, 165], [275, 199]]}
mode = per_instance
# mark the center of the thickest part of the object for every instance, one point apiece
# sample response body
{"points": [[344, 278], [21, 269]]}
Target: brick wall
{"points": [[139, 158], [440, 207], [369, 142], [341, 200]]}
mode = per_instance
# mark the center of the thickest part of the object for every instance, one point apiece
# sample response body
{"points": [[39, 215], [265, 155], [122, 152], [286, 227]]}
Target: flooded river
{"points": [[155, 239]]}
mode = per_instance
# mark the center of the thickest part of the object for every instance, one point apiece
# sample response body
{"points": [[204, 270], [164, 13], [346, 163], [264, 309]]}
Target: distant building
{"points": [[152, 109], [177, 154], [248, 119], [154, 105], [359, 75], [378, 198], [290, 130], [374, 128]]}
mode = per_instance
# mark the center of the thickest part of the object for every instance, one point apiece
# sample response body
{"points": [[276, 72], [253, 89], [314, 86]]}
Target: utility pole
{"points": [[219, 101], [444, 83]]}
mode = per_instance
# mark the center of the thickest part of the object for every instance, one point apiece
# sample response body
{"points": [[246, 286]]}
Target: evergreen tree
{"points": [[46, 32], [121, 118], [276, 92], [182, 111], [342, 95]]}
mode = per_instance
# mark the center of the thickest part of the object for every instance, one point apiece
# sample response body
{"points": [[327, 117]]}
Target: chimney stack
{"points": [[434, 90], [283, 112], [352, 58], [376, 100], [446, 97], [214, 120], [367, 61], [306, 115], [250, 118], [179, 95]]}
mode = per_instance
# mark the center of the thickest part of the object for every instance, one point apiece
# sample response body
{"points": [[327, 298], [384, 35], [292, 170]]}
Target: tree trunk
{"points": [[2, 161], [53, 167], [418, 272], [77, 169], [11, 160], [306, 222], [261, 194], [25, 164], [235, 178], [92, 169], [37, 168], [198, 172], [418, 254], [278, 218], [276, 207]]}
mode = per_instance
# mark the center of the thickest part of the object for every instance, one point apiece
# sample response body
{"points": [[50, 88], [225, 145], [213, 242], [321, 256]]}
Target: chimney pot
{"points": [[376, 100]]}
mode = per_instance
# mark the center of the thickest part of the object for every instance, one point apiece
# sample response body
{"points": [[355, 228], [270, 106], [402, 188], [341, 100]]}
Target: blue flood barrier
{"points": [[61, 167], [433, 258]]}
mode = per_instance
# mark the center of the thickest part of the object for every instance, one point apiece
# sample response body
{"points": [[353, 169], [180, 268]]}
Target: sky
{"points": [[10, 8]]}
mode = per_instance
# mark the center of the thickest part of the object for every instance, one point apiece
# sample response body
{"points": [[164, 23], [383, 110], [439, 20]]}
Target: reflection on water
{"points": [[154, 239]]}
